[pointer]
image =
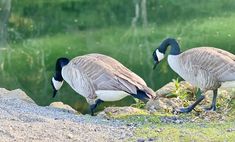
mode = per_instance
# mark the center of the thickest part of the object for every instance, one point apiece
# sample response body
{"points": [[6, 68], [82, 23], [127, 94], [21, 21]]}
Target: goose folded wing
{"points": [[100, 75], [124, 76], [217, 62], [106, 73]]}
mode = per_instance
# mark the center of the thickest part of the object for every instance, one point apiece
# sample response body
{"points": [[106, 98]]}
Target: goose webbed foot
{"points": [[213, 104], [191, 107], [211, 108], [183, 110]]}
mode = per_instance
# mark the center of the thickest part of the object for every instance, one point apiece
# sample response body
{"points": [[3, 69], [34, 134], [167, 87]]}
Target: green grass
{"points": [[151, 126], [30, 65], [187, 132]]}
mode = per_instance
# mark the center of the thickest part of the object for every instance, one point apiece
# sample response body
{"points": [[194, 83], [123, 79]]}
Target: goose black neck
{"points": [[58, 76], [175, 49], [60, 63]]}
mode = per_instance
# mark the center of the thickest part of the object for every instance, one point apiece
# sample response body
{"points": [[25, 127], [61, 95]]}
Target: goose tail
{"points": [[145, 94], [228, 84], [149, 92]]}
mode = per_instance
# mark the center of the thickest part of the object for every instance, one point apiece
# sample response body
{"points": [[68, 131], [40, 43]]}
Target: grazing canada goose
{"points": [[207, 68], [99, 78]]}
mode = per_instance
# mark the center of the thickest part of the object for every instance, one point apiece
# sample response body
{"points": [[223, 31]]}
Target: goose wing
{"points": [[106, 73], [217, 62], [225, 53]]}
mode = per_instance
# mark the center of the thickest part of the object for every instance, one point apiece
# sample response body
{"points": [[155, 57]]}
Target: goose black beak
{"points": [[54, 93], [155, 64], [54, 90]]}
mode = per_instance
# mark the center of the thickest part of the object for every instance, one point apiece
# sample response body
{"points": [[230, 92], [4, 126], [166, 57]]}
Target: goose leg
{"points": [[191, 107], [213, 104], [93, 106]]}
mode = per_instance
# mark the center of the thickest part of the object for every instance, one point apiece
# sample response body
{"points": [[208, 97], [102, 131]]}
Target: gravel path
{"points": [[24, 121]]}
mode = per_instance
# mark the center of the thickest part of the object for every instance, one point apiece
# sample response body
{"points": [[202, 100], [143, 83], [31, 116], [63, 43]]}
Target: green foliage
{"points": [[50, 17], [179, 92], [139, 104], [62, 16], [225, 100]]}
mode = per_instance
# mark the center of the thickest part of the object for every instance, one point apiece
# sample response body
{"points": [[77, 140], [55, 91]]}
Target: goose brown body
{"points": [[205, 67], [90, 73]]}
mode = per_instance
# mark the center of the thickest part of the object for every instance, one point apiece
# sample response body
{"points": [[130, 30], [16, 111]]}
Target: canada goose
{"points": [[207, 68], [99, 78]]}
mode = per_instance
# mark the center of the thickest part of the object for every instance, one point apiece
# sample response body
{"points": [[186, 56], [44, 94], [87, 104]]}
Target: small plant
{"points": [[139, 104], [179, 91]]}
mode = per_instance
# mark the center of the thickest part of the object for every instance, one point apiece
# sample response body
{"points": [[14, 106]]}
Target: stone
{"points": [[120, 111], [64, 107], [170, 87], [3, 91], [15, 94], [140, 140], [164, 104]]}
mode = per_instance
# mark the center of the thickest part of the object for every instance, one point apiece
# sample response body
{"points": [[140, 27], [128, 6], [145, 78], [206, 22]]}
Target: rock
{"points": [[224, 99], [211, 116], [159, 130], [23, 121], [140, 140], [112, 112], [15, 94], [151, 139], [3, 91], [70, 136], [170, 87], [164, 104], [63, 107], [231, 130], [173, 119]]}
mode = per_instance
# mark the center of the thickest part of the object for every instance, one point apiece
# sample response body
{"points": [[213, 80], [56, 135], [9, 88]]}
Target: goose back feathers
{"points": [[94, 72], [205, 67]]}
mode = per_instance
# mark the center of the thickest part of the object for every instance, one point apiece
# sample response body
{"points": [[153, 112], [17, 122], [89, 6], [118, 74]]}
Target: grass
{"points": [[187, 132], [195, 126], [150, 126]]}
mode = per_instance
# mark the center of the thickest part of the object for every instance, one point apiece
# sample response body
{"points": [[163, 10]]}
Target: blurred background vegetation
{"points": [[33, 34]]}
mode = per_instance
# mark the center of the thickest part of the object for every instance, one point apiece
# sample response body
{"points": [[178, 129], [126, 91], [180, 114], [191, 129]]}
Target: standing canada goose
{"points": [[207, 68], [99, 78]]}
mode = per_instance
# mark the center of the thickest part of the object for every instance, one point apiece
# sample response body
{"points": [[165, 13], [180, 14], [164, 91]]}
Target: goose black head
{"points": [[57, 80], [158, 55]]}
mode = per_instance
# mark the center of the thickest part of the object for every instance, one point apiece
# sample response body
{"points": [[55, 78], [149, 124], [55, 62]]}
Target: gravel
{"points": [[21, 120], [173, 119]]}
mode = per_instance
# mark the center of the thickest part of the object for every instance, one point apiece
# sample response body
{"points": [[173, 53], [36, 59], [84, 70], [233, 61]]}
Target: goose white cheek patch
{"points": [[57, 84], [160, 55]]}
